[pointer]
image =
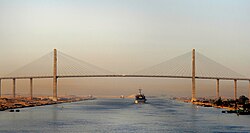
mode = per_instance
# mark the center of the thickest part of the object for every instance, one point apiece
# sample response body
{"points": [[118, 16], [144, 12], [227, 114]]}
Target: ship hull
{"points": [[140, 101]]}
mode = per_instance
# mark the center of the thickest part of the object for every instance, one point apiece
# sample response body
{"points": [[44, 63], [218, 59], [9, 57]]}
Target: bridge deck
{"points": [[128, 76]]}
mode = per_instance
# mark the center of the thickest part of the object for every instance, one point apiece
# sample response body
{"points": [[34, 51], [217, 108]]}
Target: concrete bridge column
{"points": [[31, 88], [0, 88], [14, 88], [218, 88], [55, 76], [249, 91], [235, 89]]}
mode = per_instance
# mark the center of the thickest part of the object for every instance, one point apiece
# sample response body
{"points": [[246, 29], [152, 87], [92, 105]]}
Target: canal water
{"points": [[159, 115]]}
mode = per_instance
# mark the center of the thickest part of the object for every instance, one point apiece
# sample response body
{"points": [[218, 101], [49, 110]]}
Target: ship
{"points": [[140, 98], [122, 97]]}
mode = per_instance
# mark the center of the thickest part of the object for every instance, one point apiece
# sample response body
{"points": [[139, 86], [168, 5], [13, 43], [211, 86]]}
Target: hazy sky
{"points": [[125, 35]]}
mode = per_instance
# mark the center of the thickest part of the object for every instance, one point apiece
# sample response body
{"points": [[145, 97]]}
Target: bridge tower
{"points": [[55, 76], [193, 77]]}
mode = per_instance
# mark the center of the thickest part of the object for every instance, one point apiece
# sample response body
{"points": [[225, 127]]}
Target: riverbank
{"points": [[22, 102], [209, 103], [239, 106]]}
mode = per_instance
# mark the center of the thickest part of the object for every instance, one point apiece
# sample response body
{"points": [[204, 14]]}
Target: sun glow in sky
{"points": [[125, 36]]}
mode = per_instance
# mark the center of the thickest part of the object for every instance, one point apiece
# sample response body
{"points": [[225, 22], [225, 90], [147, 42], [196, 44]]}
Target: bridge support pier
{"points": [[235, 89], [31, 88], [0, 88], [218, 88], [14, 88], [55, 76], [193, 77], [249, 91]]}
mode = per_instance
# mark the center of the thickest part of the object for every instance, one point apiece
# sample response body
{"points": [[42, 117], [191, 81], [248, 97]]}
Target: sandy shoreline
{"points": [[21, 102], [207, 104]]}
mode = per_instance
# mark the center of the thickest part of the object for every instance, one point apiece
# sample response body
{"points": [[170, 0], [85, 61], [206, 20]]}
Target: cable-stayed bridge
{"points": [[191, 65]]}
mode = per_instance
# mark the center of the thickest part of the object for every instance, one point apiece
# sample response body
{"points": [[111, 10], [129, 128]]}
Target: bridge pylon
{"points": [[193, 77], [55, 76]]}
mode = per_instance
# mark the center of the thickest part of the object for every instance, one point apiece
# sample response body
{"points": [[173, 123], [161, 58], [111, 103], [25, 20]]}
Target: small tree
{"points": [[243, 99], [218, 102]]}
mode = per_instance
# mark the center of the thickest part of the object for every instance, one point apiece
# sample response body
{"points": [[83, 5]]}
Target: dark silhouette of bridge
{"points": [[191, 65]]}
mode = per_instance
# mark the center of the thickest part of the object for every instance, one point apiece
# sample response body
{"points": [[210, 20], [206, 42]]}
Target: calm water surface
{"points": [[160, 115]]}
